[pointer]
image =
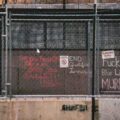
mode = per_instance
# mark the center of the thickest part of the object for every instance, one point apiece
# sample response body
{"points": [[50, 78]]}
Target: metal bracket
{"points": [[3, 91], [3, 13], [3, 35], [8, 24], [8, 84]]}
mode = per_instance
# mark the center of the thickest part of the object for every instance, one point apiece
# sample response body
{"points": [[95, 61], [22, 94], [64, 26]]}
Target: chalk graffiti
{"points": [[111, 84], [77, 64], [106, 72], [110, 74], [78, 71], [41, 68], [111, 63], [117, 72]]}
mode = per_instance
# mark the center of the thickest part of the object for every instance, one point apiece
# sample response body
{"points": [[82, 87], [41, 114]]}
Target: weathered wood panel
{"points": [[41, 73], [46, 109], [110, 74]]}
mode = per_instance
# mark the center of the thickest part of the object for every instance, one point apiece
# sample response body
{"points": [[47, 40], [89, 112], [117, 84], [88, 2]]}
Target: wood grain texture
{"points": [[48, 109]]}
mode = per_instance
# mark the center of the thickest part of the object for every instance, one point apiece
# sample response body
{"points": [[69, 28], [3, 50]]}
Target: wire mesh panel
{"points": [[51, 58], [109, 40], [2, 56]]}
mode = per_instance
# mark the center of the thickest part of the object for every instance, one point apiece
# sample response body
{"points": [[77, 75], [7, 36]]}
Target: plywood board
{"points": [[44, 109]]}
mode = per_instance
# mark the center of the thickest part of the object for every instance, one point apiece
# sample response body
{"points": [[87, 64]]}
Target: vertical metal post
{"points": [[10, 56], [64, 4], [98, 58], [88, 47], [5, 2], [45, 34], [94, 61], [64, 46], [64, 34], [6, 50], [2, 55], [2, 2]]}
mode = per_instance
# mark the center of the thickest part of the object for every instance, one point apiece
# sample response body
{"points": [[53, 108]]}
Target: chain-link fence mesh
{"points": [[109, 40], [52, 54], [50, 57]]}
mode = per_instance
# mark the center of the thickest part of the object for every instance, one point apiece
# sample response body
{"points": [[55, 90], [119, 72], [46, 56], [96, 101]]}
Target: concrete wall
{"points": [[109, 109], [45, 109]]}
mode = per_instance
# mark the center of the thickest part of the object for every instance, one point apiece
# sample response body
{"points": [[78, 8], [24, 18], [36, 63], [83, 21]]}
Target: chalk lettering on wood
{"points": [[39, 68], [110, 75]]}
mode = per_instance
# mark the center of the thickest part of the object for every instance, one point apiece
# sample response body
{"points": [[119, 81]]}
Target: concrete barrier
{"points": [[109, 109]]}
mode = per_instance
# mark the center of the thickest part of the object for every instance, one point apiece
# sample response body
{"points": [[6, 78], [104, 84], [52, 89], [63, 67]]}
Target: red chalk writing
{"points": [[41, 68]]}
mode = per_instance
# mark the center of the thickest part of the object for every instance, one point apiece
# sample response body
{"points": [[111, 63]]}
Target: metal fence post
{"points": [[6, 51], [94, 62], [98, 58], [88, 46], [10, 57], [64, 4]]}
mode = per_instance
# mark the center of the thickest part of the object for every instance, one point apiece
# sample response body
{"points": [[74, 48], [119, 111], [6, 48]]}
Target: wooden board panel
{"points": [[46, 109], [110, 72], [35, 73]]}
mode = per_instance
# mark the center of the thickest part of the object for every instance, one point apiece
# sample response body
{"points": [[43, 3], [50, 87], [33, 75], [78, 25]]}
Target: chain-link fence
{"points": [[109, 40], [51, 57], [52, 53]]}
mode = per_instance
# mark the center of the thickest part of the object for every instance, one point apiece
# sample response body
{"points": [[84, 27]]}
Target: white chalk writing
{"points": [[110, 74], [77, 64], [111, 84], [111, 63]]}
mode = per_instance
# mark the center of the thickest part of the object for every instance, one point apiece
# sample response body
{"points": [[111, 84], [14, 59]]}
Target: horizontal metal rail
{"points": [[61, 96], [115, 20], [3, 13], [66, 96], [53, 20], [63, 20], [66, 15]]}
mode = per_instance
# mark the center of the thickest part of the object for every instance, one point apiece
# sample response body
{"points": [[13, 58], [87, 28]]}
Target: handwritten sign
{"points": [[108, 54], [110, 75]]}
